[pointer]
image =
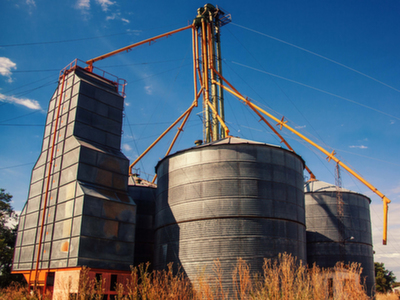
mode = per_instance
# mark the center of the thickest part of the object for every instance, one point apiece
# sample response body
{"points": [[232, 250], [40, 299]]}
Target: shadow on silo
{"points": [[166, 229]]}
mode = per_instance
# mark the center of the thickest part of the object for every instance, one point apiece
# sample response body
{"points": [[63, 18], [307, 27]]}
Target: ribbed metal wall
{"points": [[324, 245], [144, 196], [229, 199], [90, 219]]}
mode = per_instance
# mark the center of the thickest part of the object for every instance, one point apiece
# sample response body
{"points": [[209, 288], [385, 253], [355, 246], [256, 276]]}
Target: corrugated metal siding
{"points": [[228, 201], [90, 219], [323, 247], [145, 198]]}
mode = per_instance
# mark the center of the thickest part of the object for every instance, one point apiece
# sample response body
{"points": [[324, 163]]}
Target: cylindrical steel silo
{"points": [[334, 236], [229, 199]]}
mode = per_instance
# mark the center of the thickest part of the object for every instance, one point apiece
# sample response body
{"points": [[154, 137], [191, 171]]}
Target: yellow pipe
{"points": [[219, 118], [205, 82], [180, 129], [281, 123], [312, 176], [159, 138]]}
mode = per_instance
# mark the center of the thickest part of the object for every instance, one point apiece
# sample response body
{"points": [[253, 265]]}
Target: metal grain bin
{"points": [[89, 218], [229, 199], [143, 193], [332, 238]]}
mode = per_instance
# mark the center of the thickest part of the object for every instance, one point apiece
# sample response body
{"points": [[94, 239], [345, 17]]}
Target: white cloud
{"points": [[126, 147], [5, 67], [83, 5], [389, 253], [112, 17], [148, 89], [392, 122], [134, 31], [29, 103], [360, 147], [105, 4], [300, 127], [125, 20], [31, 2]]}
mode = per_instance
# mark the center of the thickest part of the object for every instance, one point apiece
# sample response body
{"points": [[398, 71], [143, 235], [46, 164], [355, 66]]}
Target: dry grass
{"points": [[284, 278], [391, 296]]}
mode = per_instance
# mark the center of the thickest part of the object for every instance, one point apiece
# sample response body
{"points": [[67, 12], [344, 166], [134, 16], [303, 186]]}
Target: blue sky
{"points": [[330, 67]]}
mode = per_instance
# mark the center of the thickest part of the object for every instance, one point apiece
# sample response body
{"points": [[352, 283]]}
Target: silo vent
{"points": [[198, 142]]}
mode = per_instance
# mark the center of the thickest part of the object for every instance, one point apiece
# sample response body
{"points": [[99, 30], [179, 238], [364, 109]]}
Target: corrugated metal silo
{"points": [[228, 199], [143, 193], [332, 237]]}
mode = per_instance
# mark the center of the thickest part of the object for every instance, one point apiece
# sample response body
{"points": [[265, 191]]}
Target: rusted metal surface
{"points": [[89, 217]]}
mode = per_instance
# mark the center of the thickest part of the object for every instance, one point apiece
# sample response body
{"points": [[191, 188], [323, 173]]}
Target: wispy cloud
{"points": [[392, 122], [134, 31], [105, 4], [359, 147], [148, 89], [126, 147], [125, 20], [300, 127], [31, 2], [6, 65], [112, 17], [83, 5], [29, 103]]}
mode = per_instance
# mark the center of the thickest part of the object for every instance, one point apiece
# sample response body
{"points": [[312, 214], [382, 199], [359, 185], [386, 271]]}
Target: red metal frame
{"points": [[77, 63]]}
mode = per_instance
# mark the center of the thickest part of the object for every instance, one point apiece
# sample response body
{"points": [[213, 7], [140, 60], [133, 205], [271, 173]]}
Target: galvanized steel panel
{"points": [[229, 200], [144, 197], [89, 175], [325, 245]]}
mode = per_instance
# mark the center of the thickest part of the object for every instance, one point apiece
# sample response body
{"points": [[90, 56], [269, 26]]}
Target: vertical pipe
{"points": [[48, 180], [205, 82], [197, 59], [194, 63], [219, 69], [214, 96]]}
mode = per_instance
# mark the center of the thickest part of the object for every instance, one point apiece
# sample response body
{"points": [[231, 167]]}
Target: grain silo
{"points": [[228, 199], [334, 235], [143, 194], [78, 211]]}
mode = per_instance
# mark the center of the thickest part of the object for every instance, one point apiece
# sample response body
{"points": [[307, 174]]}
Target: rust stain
{"points": [[64, 247]]}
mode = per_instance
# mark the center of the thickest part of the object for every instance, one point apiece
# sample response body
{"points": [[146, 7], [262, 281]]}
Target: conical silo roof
{"points": [[322, 186]]}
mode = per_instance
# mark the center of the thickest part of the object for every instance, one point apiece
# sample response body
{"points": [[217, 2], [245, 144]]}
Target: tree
{"points": [[7, 240], [384, 279]]}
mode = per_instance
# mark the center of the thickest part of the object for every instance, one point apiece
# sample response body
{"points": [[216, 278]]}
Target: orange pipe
{"points": [[312, 176], [127, 48], [219, 118], [48, 180], [282, 123], [205, 82], [180, 129], [159, 138], [194, 63], [197, 58]]}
